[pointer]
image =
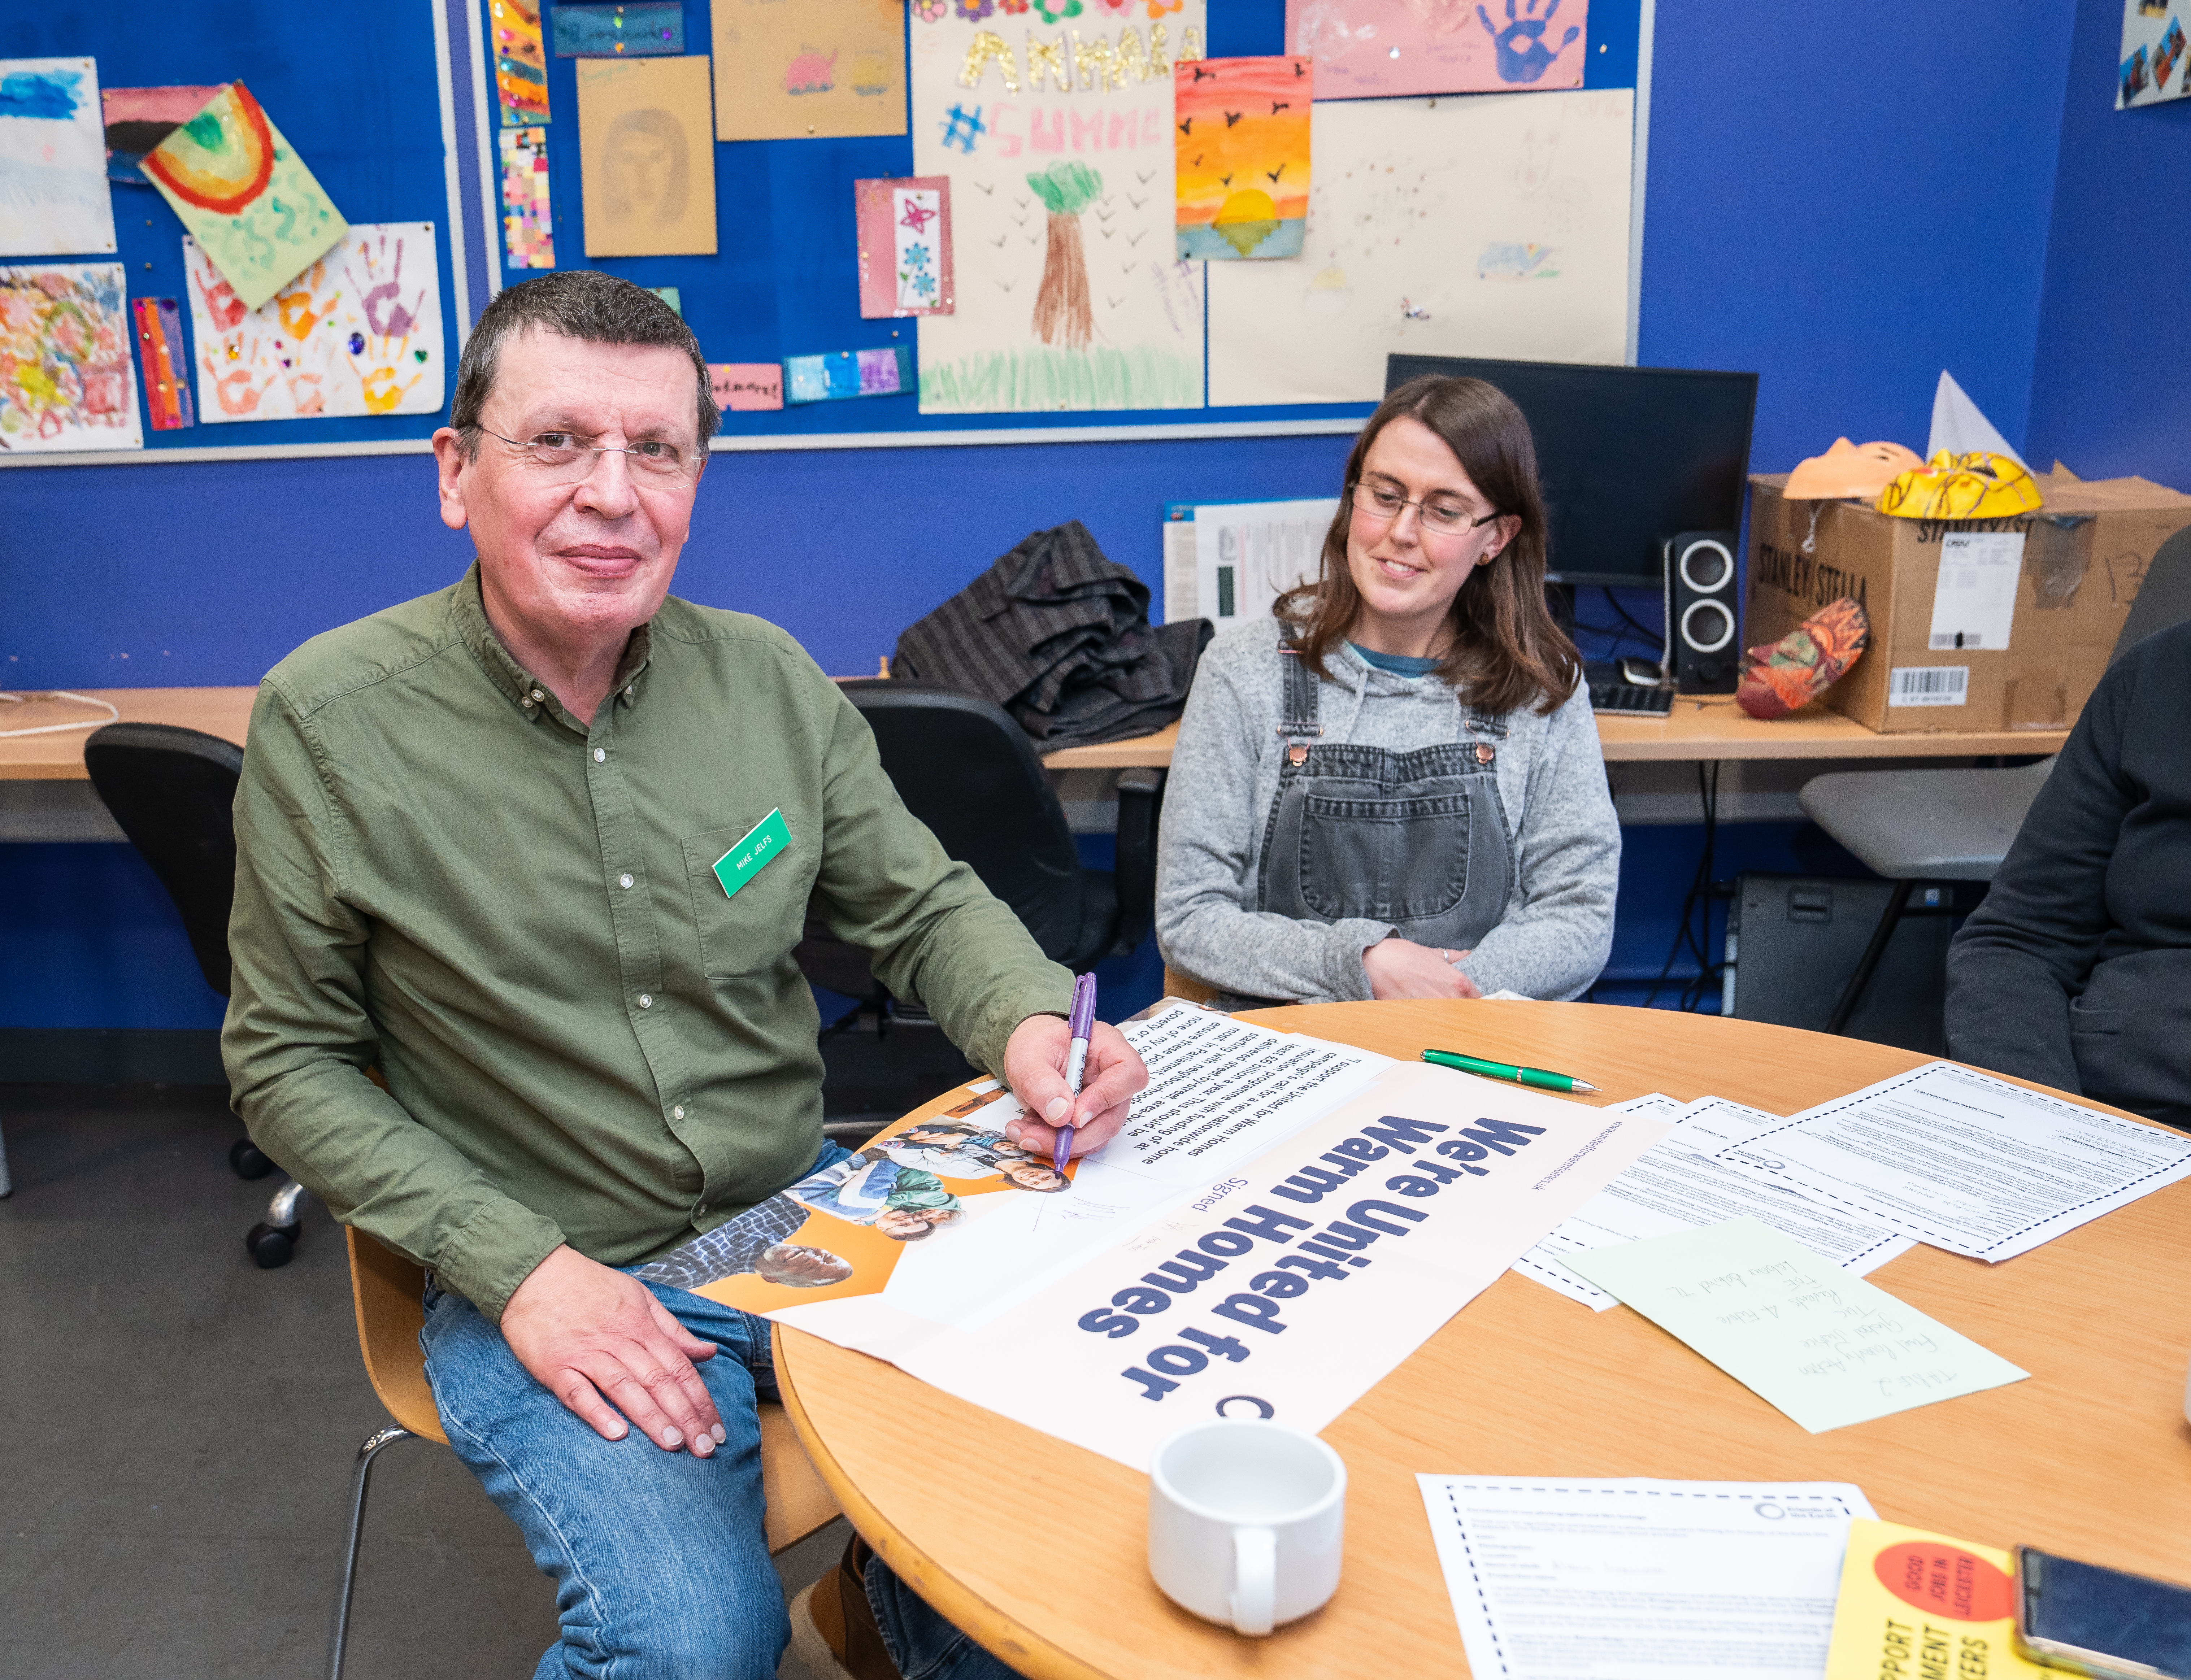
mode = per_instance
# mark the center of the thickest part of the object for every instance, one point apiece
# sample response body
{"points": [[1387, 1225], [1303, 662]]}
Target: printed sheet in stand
{"points": [[1283, 1221]]}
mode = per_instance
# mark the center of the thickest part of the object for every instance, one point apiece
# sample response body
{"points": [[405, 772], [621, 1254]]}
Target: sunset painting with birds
{"points": [[1240, 129]]}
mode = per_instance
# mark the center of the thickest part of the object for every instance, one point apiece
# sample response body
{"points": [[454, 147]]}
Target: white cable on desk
{"points": [[113, 713]]}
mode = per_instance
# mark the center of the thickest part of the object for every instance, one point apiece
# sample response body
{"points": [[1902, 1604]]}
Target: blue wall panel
{"points": [[1834, 206], [2107, 397]]}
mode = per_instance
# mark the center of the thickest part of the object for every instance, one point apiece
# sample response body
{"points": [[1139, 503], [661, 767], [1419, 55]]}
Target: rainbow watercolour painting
{"points": [[66, 379]]}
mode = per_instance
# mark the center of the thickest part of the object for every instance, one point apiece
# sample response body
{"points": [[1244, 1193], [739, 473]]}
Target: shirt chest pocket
{"points": [[751, 930]]}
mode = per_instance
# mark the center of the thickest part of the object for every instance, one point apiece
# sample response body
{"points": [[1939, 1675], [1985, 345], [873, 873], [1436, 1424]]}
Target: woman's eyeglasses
{"points": [[564, 457], [1438, 516]]}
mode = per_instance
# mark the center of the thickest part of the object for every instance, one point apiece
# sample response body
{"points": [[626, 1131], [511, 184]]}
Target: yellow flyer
{"points": [[1919, 1606]]}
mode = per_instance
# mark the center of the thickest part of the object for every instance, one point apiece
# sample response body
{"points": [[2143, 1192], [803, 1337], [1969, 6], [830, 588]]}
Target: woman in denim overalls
{"points": [[1425, 810]]}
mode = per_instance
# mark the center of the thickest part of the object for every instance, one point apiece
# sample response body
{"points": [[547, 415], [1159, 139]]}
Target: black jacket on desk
{"points": [[2076, 970]]}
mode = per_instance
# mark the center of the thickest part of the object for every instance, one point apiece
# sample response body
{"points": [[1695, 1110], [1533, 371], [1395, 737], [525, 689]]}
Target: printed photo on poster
{"points": [[1070, 292], [528, 219], [53, 160], [819, 68], [903, 229], [1379, 48], [66, 382], [358, 333], [2153, 67], [245, 196], [1241, 129], [521, 66], [647, 166]]}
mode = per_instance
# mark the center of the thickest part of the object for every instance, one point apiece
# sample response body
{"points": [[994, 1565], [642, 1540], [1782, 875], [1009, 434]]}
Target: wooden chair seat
{"points": [[386, 1290]]}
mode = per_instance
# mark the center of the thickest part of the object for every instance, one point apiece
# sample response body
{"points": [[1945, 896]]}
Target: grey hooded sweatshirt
{"points": [[1557, 927]]}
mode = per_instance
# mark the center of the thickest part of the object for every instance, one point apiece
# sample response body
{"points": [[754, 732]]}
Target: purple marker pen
{"points": [[1082, 1021]]}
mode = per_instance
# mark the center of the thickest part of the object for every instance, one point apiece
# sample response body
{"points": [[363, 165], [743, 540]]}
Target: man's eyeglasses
{"points": [[564, 458], [1439, 516]]}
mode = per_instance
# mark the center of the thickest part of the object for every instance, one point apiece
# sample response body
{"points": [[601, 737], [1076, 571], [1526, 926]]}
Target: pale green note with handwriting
{"points": [[1826, 1349]]}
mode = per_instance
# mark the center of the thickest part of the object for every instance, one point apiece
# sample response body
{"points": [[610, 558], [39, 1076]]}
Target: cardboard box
{"points": [[2083, 556]]}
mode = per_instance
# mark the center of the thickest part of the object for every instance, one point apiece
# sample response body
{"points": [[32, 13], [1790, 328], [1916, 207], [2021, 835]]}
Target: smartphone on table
{"points": [[2098, 1621]]}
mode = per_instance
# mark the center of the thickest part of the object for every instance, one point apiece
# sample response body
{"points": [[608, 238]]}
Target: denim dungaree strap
{"points": [[1416, 838]]}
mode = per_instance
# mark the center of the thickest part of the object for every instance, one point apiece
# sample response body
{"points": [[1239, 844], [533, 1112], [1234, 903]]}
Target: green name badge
{"points": [[762, 844]]}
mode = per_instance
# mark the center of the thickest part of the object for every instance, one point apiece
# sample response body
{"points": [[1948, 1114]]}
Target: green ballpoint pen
{"points": [[1506, 1070]]}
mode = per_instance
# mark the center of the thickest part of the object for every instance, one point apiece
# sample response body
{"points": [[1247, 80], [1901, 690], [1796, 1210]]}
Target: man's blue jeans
{"points": [[660, 1567]]}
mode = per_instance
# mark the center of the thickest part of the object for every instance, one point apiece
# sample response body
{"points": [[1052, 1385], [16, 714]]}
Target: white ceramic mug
{"points": [[1246, 1522]]}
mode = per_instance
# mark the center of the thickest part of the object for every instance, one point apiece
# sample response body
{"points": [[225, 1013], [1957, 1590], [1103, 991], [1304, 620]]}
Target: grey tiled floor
{"points": [[177, 1429]]}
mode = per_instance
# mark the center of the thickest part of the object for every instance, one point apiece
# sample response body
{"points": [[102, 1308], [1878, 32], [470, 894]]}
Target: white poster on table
{"points": [[1058, 142], [357, 332], [1245, 555], [1491, 225], [1283, 1285]]}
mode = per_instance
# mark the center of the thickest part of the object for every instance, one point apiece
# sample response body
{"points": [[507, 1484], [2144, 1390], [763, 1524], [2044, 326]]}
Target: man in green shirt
{"points": [[477, 846]]}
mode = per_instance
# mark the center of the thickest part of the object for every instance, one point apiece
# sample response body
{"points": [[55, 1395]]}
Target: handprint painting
{"points": [[245, 196], [1241, 132], [359, 332], [1384, 48]]}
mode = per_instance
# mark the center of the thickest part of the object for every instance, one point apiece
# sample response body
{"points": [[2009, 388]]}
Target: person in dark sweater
{"points": [[2076, 970]]}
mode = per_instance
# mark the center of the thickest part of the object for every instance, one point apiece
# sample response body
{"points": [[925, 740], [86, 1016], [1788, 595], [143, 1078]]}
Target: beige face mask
{"points": [[1850, 469]]}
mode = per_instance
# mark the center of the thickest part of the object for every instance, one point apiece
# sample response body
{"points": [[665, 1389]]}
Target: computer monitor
{"points": [[1629, 456]]}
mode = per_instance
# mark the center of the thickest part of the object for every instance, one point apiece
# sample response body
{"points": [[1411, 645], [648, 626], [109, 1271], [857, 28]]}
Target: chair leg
{"points": [[360, 1477], [1852, 994]]}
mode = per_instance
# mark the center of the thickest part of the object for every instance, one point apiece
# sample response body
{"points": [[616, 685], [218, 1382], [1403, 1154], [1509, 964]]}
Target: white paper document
{"points": [[1974, 602], [1252, 1244], [1570, 1579], [1677, 1186], [1964, 1161], [1248, 553]]}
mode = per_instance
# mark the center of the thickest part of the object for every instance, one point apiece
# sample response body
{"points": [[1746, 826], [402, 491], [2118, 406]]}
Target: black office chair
{"points": [[172, 791], [964, 767]]}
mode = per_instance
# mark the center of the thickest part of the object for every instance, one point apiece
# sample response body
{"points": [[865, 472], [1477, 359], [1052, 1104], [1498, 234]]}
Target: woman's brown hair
{"points": [[1506, 650]]}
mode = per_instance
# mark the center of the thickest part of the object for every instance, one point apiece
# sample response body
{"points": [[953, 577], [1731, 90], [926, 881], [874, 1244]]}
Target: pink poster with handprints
{"points": [[1377, 49], [359, 332]]}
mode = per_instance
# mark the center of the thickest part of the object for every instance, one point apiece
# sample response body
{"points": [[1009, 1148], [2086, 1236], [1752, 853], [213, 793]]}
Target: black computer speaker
{"points": [[1702, 590]]}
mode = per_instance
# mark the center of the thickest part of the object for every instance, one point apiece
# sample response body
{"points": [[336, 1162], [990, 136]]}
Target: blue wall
{"points": [[1826, 206], [2108, 397]]}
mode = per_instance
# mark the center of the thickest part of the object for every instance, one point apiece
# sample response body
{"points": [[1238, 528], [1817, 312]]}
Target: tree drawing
{"points": [[1062, 306]]}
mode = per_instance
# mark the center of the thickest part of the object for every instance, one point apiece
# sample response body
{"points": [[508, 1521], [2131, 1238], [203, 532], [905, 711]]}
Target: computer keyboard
{"points": [[1627, 697]]}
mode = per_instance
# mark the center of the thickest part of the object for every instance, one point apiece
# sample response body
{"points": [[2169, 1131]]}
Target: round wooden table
{"points": [[1037, 1547]]}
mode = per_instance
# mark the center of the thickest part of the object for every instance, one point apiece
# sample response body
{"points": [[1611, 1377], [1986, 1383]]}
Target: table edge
{"points": [[996, 1631]]}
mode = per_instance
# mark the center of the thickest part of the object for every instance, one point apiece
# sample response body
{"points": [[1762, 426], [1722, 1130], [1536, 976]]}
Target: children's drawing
{"points": [[1070, 291], [1491, 227], [809, 70], [647, 166], [139, 118], [903, 229], [245, 196], [847, 372], [1241, 130], [520, 66], [528, 219], [618, 31], [2153, 66], [53, 160], [65, 380], [165, 363], [1366, 47], [745, 387], [359, 331]]}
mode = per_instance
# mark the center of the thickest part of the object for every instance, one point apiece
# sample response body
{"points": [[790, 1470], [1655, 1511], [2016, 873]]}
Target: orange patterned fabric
{"points": [[1792, 672]]}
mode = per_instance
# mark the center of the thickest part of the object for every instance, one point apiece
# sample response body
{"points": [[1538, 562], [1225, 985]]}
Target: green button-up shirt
{"points": [[585, 1038]]}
